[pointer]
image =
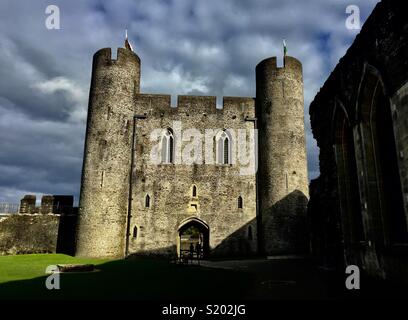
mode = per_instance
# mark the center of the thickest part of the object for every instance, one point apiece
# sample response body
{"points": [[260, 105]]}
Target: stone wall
{"points": [[170, 185], [28, 233], [37, 233], [49, 227], [118, 171]]}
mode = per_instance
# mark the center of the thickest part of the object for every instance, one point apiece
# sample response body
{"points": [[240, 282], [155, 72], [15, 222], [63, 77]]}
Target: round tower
{"points": [[282, 175], [107, 156]]}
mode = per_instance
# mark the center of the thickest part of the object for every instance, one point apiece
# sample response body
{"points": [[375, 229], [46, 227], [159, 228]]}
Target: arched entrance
{"points": [[193, 233]]}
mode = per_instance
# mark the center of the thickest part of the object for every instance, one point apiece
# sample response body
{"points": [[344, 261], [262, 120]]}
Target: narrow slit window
{"points": [[194, 191], [171, 148], [147, 201], [102, 178], [240, 202], [226, 151], [135, 232]]}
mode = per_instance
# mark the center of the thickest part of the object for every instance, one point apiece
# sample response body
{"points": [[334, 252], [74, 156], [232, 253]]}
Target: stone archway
{"points": [[186, 237]]}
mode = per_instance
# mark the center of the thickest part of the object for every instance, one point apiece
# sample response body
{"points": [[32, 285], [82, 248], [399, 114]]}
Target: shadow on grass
{"points": [[136, 278]]}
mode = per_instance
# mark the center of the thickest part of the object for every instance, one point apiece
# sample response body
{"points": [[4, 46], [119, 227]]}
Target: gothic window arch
{"points": [[379, 160], [223, 147], [194, 191], [168, 146], [135, 232]]}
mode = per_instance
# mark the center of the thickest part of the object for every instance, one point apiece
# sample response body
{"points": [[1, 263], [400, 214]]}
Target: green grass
{"points": [[28, 266], [23, 277]]}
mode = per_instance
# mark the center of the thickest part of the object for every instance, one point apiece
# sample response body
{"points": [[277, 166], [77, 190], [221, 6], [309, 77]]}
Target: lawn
{"points": [[23, 277]]}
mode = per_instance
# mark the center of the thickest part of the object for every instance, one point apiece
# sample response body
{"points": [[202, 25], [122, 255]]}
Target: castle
{"points": [[142, 191], [144, 181]]}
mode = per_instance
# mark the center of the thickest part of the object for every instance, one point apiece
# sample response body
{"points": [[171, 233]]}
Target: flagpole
{"points": [[127, 43]]}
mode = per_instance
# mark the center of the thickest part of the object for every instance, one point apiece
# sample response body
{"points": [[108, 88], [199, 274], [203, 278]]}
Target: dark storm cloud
{"points": [[186, 47]]}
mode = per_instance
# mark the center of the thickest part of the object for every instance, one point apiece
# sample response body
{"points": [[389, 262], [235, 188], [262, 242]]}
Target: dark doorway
{"points": [[194, 240]]}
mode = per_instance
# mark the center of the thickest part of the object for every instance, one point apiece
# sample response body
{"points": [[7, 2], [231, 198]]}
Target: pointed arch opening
{"points": [[223, 147], [380, 161], [194, 238], [194, 191], [167, 150], [147, 201]]}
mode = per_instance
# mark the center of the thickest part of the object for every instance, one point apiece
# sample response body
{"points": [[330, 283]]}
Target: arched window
{"points": [[223, 147], [240, 202], [147, 201], [378, 160], [194, 191], [168, 147], [226, 150], [249, 233], [135, 232]]}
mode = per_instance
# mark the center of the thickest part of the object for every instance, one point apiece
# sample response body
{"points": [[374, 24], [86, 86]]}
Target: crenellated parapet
{"points": [[160, 105], [123, 56], [118, 172]]}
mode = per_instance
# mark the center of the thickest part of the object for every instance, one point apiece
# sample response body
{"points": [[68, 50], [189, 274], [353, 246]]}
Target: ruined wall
{"points": [[379, 53], [170, 185], [28, 233]]}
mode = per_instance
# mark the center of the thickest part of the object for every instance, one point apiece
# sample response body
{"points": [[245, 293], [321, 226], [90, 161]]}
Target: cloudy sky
{"points": [[208, 47]]}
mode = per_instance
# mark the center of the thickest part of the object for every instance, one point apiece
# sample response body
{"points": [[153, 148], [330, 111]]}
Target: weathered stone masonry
{"points": [[161, 198], [47, 228]]}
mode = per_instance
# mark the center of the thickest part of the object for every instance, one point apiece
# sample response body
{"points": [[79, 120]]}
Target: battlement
{"points": [[244, 103], [197, 103], [104, 57], [57, 204], [125, 212], [161, 103], [291, 65]]}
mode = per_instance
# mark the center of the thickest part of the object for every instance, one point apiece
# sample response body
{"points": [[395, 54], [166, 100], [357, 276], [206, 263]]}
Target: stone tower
{"points": [[107, 155], [283, 181]]}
